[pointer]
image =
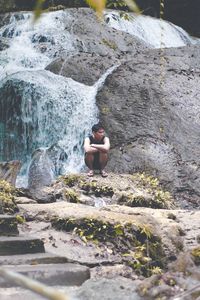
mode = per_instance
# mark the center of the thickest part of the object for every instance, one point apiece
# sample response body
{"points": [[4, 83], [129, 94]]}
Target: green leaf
{"points": [[132, 5], [38, 9]]}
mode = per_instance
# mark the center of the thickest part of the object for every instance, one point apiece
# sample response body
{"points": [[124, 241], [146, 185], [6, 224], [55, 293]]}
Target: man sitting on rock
{"points": [[96, 148]]}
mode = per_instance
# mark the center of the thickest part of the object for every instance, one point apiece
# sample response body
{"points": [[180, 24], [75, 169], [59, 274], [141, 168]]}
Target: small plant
{"points": [[6, 187], [7, 199], [70, 180], [156, 270], [157, 197], [97, 189], [196, 255], [20, 219], [72, 196]]}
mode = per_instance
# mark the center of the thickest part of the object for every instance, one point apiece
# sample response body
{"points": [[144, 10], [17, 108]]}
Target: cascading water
{"points": [[51, 109], [34, 45], [154, 32], [44, 110]]}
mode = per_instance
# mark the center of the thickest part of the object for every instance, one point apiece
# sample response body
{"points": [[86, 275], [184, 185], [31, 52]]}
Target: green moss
{"points": [[94, 188], [135, 200], [71, 179], [137, 245], [20, 219], [196, 255], [110, 44]]}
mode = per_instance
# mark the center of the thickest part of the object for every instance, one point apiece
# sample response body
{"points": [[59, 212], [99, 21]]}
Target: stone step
{"points": [[8, 226], [20, 245], [51, 274], [32, 259]]}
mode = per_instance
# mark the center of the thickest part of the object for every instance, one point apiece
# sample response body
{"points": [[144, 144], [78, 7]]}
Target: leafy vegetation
{"points": [[157, 197], [97, 189], [71, 179], [72, 196], [196, 255], [7, 199], [97, 5], [136, 244]]}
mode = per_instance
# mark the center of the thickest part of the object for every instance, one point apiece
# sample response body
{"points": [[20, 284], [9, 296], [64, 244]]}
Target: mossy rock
{"points": [[141, 200], [95, 188], [7, 198], [196, 255], [151, 193], [71, 179], [138, 247]]}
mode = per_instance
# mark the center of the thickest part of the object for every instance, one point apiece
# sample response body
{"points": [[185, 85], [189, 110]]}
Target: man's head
{"points": [[98, 131]]}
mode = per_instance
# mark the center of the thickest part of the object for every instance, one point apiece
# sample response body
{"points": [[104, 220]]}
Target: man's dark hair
{"points": [[96, 127]]}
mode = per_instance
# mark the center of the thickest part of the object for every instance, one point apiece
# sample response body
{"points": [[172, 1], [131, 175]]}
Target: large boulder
{"points": [[83, 67], [45, 165], [99, 47], [150, 109]]}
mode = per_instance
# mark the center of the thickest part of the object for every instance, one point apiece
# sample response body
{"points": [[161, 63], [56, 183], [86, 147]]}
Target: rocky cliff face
{"points": [[149, 106], [151, 114]]}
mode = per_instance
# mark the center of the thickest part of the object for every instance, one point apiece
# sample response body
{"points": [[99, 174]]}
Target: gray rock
{"points": [[59, 274], [41, 170], [86, 68], [99, 47], [32, 259], [8, 225], [9, 171], [20, 245], [118, 288], [44, 166]]}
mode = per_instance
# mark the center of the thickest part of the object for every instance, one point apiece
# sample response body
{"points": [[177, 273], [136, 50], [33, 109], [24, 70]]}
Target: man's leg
{"points": [[89, 161], [103, 159]]}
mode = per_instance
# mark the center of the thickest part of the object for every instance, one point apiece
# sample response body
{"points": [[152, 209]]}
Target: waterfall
{"points": [[154, 32], [34, 45], [48, 111], [53, 110]]}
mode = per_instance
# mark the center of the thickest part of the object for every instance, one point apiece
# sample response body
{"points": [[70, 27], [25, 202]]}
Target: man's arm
{"points": [[87, 146], [102, 148]]}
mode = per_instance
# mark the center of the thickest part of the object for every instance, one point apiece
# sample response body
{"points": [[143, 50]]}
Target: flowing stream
{"points": [[55, 111]]}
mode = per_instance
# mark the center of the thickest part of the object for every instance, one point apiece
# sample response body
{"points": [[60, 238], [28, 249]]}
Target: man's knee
{"points": [[103, 155], [89, 157]]}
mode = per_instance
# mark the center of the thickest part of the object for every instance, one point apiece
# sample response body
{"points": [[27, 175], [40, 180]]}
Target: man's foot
{"points": [[90, 173], [103, 173]]}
